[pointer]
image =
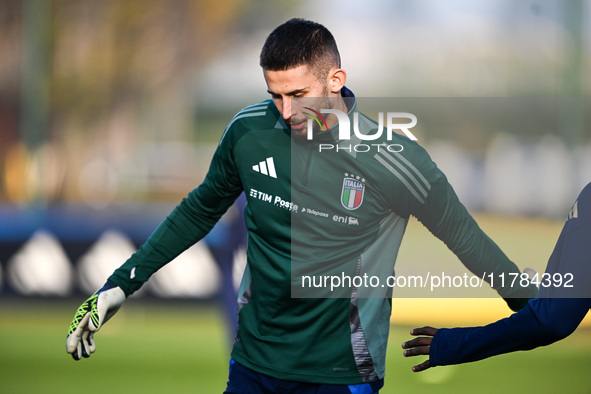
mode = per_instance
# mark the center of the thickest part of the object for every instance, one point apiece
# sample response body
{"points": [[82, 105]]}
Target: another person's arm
{"points": [[542, 322]]}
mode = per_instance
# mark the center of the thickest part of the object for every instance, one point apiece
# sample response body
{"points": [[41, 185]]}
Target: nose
{"points": [[286, 107]]}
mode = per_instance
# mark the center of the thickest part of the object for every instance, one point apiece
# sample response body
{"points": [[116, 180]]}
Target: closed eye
{"points": [[294, 93]]}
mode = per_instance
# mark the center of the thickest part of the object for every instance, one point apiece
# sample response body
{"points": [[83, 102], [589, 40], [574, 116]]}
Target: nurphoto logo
{"points": [[392, 122]]}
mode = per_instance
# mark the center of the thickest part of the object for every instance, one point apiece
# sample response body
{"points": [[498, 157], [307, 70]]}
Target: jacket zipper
{"points": [[308, 163]]}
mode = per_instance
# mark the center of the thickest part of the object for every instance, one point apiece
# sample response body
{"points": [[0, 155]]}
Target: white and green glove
{"points": [[90, 317]]}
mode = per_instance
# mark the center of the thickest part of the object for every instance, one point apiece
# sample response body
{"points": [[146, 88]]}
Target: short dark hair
{"points": [[300, 42]]}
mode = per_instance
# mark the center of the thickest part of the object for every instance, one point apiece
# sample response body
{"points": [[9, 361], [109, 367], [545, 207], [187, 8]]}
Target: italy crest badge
{"points": [[352, 192]]}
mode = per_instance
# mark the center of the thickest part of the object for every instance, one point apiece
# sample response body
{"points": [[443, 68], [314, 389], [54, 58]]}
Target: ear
{"points": [[337, 79]]}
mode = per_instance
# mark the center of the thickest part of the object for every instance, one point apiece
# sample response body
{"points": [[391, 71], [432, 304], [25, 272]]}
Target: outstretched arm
{"points": [[542, 322], [447, 218], [189, 222]]}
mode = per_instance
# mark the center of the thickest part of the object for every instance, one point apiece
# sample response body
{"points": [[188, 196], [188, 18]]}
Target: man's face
{"points": [[295, 83]]}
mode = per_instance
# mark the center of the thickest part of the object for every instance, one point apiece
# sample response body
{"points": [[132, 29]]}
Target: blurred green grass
{"points": [[178, 347], [148, 348]]}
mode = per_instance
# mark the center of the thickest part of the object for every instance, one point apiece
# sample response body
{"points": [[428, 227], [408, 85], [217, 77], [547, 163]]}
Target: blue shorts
{"points": [[245, 381]]}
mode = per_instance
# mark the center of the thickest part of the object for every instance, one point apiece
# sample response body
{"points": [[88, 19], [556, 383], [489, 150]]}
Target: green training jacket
{"points": [[314, 216]]}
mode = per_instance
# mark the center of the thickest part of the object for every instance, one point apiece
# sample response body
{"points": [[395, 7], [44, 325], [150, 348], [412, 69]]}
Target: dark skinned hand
{"points": [[419, 346]]}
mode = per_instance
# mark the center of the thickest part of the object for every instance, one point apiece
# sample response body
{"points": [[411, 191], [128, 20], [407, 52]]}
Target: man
{"points": [[313, 212], [565, 299]]}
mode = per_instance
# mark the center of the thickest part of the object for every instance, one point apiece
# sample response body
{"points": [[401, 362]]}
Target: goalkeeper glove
{"points": [[90, 317]]}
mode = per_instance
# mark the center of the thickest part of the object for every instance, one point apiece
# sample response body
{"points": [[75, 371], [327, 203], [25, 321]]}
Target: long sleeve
{"points": [[542, 322], [188, 223], [447, 218]]}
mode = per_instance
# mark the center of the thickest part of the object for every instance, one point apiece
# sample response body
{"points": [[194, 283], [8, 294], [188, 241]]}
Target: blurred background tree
{"points": [[85, 82]]}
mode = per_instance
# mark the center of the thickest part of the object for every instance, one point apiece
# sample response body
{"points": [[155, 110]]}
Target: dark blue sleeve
{"points": [[544, 320]]}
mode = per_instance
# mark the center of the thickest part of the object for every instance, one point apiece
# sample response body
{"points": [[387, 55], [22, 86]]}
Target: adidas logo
{"points": [[266, 167]]}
